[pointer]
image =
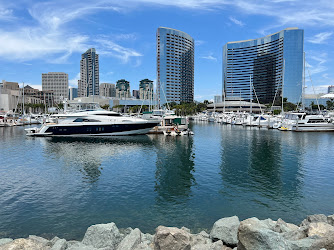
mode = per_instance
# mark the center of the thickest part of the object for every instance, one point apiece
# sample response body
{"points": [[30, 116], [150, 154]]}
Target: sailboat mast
{"points": [[23, 101], [303, 86], [250, 94], [282, 87]]}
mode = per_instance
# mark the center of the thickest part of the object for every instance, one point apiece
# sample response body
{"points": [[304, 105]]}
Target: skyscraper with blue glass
{"points": [[175, 66], [264, 68]]}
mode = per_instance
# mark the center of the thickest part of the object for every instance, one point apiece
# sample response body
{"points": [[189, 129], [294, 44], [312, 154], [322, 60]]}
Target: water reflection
{"points": [[265, 167], [86, 154], [174, 168]]}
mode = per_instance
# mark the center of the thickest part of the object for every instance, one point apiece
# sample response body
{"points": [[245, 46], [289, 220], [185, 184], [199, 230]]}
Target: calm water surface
{"points": [[59, 186]]}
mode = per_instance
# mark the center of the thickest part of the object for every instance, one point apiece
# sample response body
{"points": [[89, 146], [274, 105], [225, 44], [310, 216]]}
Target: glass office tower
{"points": [[175, 66], [89, 74], [262, 68]]}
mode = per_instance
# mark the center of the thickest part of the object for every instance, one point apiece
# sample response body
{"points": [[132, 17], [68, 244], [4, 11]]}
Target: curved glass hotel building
{"points": [[261, 68], [175, 66]]}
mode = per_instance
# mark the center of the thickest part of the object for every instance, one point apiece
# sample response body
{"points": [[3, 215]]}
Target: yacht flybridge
{"points": [[94, 123]]}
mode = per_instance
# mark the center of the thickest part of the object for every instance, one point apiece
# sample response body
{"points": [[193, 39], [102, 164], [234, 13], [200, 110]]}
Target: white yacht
{"points": [[302, 122], [94, 123]]}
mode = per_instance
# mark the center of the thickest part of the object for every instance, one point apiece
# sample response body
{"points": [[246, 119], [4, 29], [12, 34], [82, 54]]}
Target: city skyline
{"points": [[50, 36]]}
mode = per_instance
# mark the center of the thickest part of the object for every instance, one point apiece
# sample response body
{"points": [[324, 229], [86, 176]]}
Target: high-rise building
{"points": [[89, 74], [72, 93], [108, 90], [331, 89], [175, 66], [56, 82], [123, 89], [135, 93], [146, 89], [263, 68]]}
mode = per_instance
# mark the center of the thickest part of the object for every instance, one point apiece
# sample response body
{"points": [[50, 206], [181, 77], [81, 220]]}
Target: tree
{"points": [[106, 107], [330, 104]]}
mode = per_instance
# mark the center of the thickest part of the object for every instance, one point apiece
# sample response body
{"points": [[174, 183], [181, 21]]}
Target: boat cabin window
{"points": [[115, 114], [85, 120], [315, 120]]}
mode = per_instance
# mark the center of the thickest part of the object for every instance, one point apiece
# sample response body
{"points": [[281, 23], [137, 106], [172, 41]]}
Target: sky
{"points": [[40, 36]]}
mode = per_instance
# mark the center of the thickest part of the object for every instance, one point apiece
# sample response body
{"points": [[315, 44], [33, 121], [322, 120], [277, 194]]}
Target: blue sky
{"points": [[50, 36]]}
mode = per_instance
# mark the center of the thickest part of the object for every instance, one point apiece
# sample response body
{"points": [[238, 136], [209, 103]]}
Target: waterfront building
{"points": [[175, 66], [146, 89], [57, 82], [217, 99], [261, 68], [135, 93], [331, 89], [9, 95], [89, 74], [72, 93], [108, 90], [123, 89]]}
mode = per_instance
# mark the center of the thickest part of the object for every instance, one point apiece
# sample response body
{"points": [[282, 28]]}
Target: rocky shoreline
{"points": [[315, 232]]}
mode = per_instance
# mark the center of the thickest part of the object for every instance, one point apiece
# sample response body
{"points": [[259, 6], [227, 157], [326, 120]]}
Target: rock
{"points": [[204, 234], [226, 229], [303, 244], [71, 243], [131, 241], [218, 245], [60, 244], [198, 239], [256, 234], [81, 246], [185, 229], [102, 235], [143, 246], [54, 239], [282, 227], [171, 238], [293, 235], [41, 240], [147, 238], [269, 223], [314, 218], [326, 242], [126, 231], [320, 228], [330, 220], [5, 241], [26, 244]]}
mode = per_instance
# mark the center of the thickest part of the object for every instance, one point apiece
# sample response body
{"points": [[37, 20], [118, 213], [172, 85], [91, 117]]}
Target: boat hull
{"points": [[93, 130]]}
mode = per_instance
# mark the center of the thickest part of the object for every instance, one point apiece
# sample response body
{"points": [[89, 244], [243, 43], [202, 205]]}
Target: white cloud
{"points": [[74, 81], [209, 57], [321, 37], [236, 21], [199, 42]]}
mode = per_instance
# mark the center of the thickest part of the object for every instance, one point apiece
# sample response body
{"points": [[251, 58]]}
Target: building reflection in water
{"points": [[86, 154], [263, 169], [174, 168]]}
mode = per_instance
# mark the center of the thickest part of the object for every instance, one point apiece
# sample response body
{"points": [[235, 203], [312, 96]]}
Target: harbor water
{"points": [[61, 186]]}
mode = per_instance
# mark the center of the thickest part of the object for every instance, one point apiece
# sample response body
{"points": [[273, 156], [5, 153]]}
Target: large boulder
{"points": [[330, 219], [41, 240], [282, 227], [256, 234], [102, 236], [171, 238], [5, 241], [26, 244], [298, 234], [81, 246], [314, 218], [60, 244], [320, 229], [226, 230], [131, 241]]}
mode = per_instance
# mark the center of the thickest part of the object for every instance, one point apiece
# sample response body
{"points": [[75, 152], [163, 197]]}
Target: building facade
{"points": [[72, 93], [89, 74], [265, 68], [135, 94], [175, 66], [146, 89], [57, 82], [108, 90], [331, 89], [123, 89]]}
